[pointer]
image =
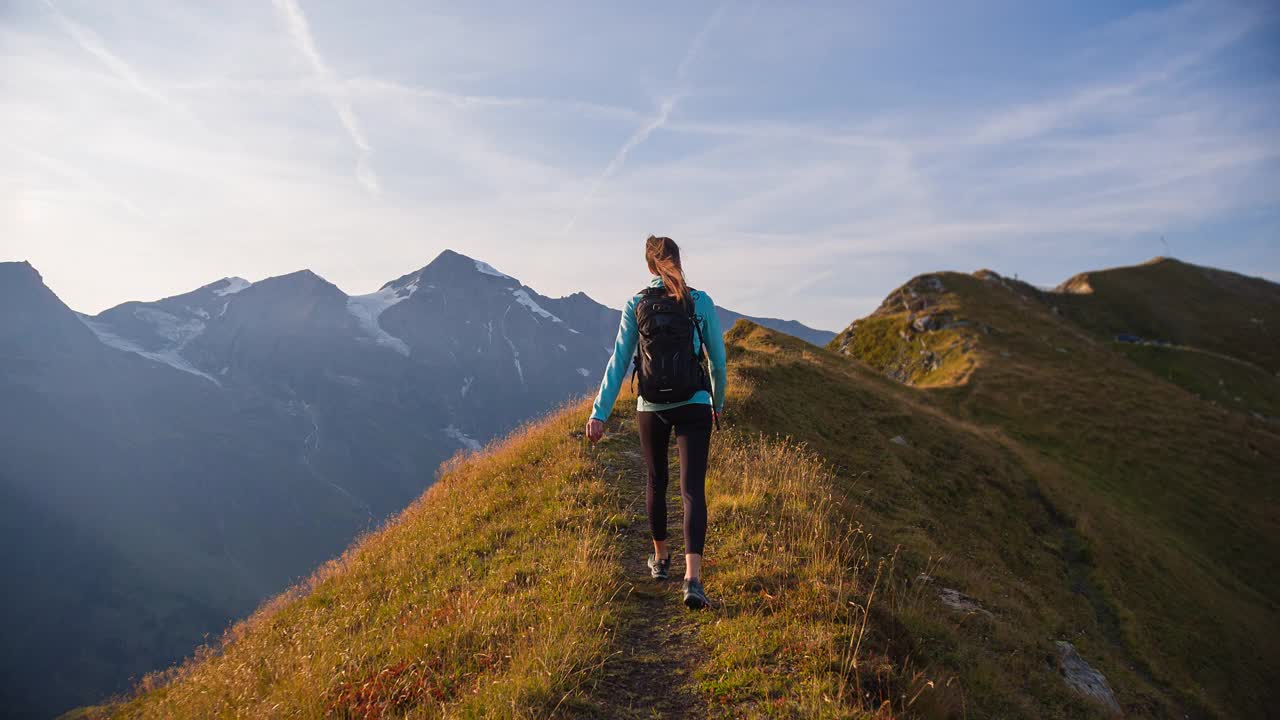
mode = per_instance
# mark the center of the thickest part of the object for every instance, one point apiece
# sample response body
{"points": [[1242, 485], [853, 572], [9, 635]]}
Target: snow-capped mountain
{"points": [[197, 453]]}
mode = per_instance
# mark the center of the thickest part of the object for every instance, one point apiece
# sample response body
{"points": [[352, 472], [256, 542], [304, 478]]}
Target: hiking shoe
{"points": [[694, 597], [658, 568]]}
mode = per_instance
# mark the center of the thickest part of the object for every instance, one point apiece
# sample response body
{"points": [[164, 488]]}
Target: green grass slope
{"points": [[1172, 500], [1226, 381], [1209, 331], [1166, 299]]}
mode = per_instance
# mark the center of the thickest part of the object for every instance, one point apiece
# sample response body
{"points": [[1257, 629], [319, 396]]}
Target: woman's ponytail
{"points": [[663, 256]]}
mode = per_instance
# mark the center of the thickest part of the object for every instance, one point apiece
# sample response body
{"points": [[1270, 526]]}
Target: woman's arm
{"points": [[714, 341], [624, 347]]}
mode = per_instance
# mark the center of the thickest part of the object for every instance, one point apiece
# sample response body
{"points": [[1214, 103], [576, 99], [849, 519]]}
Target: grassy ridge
{"points": [[1186, 304]]}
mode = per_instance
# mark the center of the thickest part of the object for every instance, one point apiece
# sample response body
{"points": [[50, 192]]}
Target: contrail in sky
{"points": [[660, 117], [89, 41], [300, 31]]}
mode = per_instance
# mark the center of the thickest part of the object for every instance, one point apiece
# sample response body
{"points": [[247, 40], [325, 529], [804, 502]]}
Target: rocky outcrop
{"points": [[1083, 678], [954, 599], [936, 321], [1077, 285], [960, 602]]}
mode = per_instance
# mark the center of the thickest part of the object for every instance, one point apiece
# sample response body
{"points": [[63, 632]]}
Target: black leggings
{"points": [[692, 424]]}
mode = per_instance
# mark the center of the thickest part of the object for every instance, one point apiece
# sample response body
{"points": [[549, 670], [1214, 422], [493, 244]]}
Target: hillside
{"points": [[1210, 331], [1173, 497], [1180, 303]]}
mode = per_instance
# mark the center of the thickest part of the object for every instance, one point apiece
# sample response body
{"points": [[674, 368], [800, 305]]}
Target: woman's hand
{"points": [[595, 430]]}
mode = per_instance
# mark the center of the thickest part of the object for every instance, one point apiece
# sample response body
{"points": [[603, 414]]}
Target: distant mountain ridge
{"points": [[793, 328], [229, 439]]}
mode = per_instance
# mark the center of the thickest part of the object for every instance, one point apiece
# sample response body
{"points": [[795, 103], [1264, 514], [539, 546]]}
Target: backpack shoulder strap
{"points": [[693, 318], [635, 360]]}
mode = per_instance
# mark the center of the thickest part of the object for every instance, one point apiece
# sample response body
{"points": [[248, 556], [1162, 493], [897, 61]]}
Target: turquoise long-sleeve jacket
{"points": [[624, 348]]}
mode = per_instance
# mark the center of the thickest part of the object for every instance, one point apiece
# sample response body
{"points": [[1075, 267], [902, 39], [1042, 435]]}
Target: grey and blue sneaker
{"points": [[658, 568], [694, 596]]}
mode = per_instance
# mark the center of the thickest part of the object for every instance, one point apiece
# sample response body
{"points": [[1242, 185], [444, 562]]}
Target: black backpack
{"points": [[668, 368]]}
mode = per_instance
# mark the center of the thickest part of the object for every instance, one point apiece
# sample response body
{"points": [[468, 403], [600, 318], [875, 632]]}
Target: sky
{"points": [[808, 157]]}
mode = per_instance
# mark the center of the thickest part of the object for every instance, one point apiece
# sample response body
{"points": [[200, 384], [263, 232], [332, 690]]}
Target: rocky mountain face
{"points": [[177, 461]]}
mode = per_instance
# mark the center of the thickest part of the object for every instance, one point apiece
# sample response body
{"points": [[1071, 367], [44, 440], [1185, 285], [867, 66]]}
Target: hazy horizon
{"points": [[808, 160]]}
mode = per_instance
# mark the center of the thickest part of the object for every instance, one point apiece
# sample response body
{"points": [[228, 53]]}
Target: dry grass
{"points": [[455, 607], [797, 581], [793, 582]]}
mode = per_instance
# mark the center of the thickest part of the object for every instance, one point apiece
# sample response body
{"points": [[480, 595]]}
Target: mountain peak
{"points": [[301, 281], [448, 254], [304, 275], [19, 268], [30, 309], [451, 265], [21, 278], [225, 286]]}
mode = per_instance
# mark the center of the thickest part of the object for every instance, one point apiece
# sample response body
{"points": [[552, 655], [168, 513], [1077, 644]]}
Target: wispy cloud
{"points": [[300, 31], [663, 112], [89, 41], [1216, 29]]}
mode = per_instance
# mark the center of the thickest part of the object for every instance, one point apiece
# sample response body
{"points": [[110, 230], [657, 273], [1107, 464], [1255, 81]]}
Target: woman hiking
{"points": [[665, 327]]}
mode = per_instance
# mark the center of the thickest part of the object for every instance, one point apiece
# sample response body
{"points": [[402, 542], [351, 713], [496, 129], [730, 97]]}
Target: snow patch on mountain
{"points": [[466, 384], [169, 356], [367, 308], [170, 327], [523, 298], [233, 286], [462, 438], [488, 269], [584, 372]]}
